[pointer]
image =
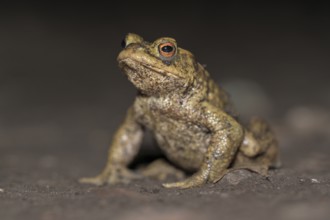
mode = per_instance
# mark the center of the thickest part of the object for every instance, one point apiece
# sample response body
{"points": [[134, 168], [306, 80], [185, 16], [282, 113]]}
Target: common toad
{"points": [[189, 115]]}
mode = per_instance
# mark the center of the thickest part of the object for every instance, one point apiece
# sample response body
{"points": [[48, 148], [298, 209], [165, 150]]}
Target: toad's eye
{"points": [[167, 50]]}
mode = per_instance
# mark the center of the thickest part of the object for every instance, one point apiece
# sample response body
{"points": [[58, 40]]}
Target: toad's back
{"points": [[214, 94]]}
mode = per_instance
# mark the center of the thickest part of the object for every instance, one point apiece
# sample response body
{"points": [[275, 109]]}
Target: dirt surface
{"points": [[39, 183], [62, 97]]}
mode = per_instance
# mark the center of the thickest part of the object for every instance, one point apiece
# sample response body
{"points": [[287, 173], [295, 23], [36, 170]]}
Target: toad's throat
{"points": [[139, 67]]}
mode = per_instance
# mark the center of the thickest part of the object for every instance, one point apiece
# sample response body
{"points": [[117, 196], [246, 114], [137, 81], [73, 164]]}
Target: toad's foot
{"points": [[259, 164], [194, 181], [111, 177]]}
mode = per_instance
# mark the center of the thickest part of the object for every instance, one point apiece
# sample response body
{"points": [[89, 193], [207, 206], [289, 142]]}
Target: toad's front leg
{"points": [[122, 151], [227, 135]]}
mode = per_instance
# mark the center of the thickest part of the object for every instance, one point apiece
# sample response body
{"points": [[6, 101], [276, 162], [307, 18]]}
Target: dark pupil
{"points": [[167, 49], [123, 44]]}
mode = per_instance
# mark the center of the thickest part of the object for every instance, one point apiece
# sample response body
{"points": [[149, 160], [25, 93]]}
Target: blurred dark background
{"points": [[60, 85]]}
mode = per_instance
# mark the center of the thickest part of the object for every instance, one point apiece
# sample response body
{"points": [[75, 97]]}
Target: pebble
{"points": [[2, 190], [315, 180]]}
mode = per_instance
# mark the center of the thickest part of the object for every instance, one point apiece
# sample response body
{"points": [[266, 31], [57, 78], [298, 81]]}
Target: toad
{"points": [[190, 116]]}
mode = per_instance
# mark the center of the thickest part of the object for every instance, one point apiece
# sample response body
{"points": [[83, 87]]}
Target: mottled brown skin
{"points": [[190, 117]]}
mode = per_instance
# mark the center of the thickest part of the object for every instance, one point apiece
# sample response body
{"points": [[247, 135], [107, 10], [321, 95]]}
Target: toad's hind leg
{"points": [[259, 149]]}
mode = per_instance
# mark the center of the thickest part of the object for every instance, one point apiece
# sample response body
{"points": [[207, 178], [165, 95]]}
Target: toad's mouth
{"points": [[129, 65]]}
